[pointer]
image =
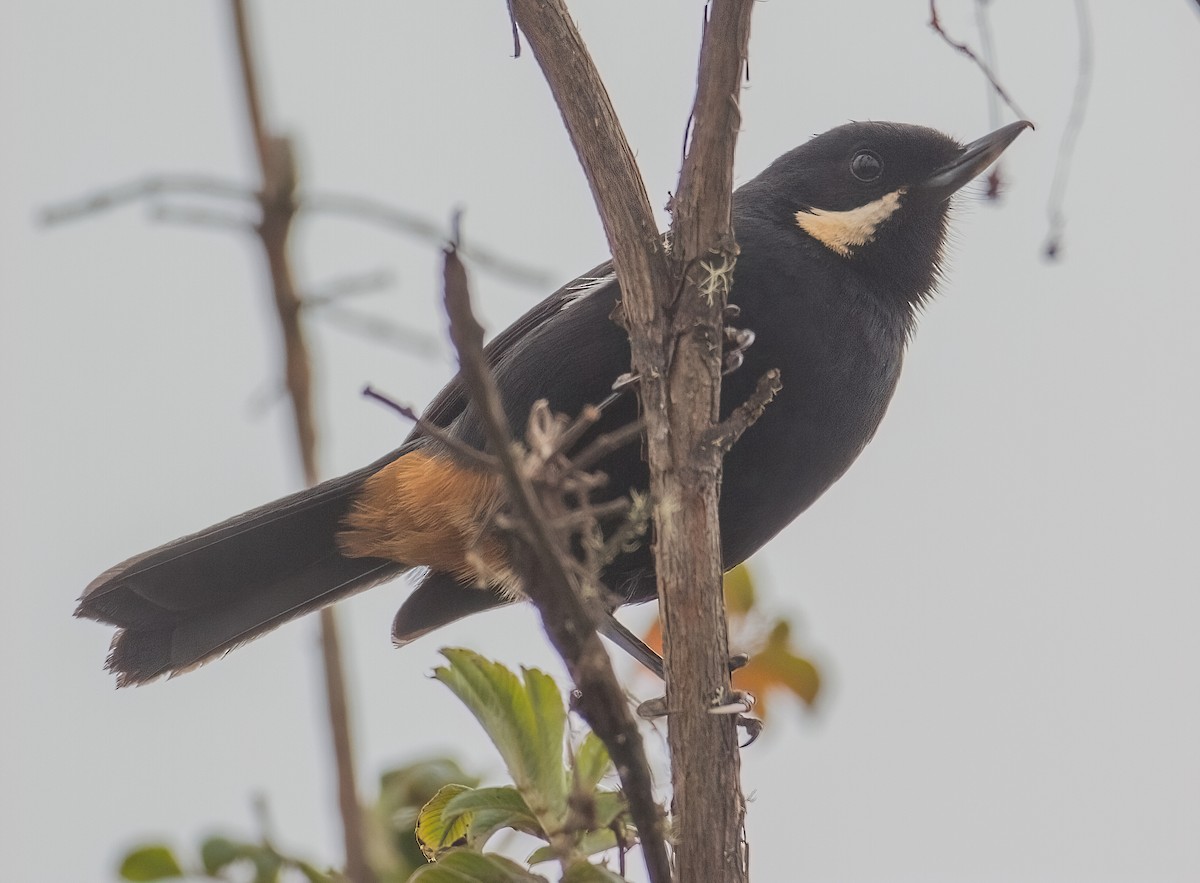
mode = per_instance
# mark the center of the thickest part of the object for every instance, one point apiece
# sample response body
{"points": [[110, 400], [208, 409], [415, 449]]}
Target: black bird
{"points": [[841, 240]]}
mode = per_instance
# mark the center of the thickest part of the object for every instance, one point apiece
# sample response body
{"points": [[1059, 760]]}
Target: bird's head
{"points": [[876, 195]]}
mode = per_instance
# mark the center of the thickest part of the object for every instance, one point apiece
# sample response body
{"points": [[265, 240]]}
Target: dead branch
{"points": [[675, 331], [456, 446], [726, 433], [200, 217], [153, 185], [278, 201], [963, 48], [381, 331], [373, 211], [1066, 149], [551, 582]]}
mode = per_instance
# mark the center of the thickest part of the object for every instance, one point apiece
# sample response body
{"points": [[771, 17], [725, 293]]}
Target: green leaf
{"points": [[154, 862], [739, 590], [413, 784], [592, 762], [551, 717], [267, 864], [487, 810], [433, 834], [464, 866], [402, 792], [525, 722], [312, 874], [590, 843], [609, 805], [584, 871], [217, 853]]}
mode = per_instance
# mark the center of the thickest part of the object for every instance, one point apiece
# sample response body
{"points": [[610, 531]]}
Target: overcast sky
{"points": [[1004, 593]]}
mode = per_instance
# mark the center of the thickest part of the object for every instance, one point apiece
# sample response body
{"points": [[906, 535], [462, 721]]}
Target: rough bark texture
{"points": [[673, 309], [685, 471], [551, 581]]}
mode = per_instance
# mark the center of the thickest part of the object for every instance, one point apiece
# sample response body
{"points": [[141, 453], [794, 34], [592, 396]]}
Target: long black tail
{"points": [[186, 602]]}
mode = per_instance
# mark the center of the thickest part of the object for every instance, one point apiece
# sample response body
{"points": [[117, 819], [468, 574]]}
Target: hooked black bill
{"points": [[975, 157]]}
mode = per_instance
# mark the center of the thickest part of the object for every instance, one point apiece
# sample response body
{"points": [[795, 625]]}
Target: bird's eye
{"points": [[866, 166]]}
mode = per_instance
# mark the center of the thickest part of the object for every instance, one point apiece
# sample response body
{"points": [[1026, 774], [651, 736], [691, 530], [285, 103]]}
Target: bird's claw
{"points": [[739, 702], [652, 708], [753, 727], [736, 341], [732, 702], [626, 381]]}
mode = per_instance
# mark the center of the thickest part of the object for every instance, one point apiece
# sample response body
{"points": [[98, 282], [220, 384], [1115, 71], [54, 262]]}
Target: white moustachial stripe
{"points": [[846, 230]]}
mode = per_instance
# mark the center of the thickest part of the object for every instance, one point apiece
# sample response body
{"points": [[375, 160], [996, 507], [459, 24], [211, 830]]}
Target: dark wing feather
{"points": [[199, 596]]}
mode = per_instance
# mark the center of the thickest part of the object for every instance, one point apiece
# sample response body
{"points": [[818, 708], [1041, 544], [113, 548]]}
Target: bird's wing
{"points": [[452, 399]]}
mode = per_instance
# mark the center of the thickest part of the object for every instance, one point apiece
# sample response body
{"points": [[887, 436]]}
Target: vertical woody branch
{"points": [[673, 307], [278, 199], [686, 487]]}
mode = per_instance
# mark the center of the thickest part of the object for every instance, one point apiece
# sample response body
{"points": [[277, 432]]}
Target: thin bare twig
{"points": [[987, 50], [342, 287], [936, 24], [200, 217], [551, 585], [1066, 149], [516, 34], [603, 445], [381, 331], [726, 433], [153, 185], [457, 446], [360, 208], [278, 210], [369, 210]]}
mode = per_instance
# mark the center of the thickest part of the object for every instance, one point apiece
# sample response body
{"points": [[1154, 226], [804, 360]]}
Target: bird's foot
{"points": [[735, 341], [737, 702]]}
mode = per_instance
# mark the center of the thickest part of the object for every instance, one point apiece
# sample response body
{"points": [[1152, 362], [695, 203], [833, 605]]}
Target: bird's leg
{"points": [[733, 702], [621, 385], [729, 702], [735, 341]]}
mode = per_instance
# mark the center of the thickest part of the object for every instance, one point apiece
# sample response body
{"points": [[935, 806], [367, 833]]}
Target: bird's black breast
{"points": [[837, 343]]}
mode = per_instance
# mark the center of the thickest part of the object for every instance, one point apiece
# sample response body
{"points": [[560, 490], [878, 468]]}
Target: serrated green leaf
{"points": [[551, 717], [503, 802], [464, 866], [493, 694], [217, 852], [434, 835], [485, 823], [153, 862], [525, 721], [592, 762], [583, 871]]}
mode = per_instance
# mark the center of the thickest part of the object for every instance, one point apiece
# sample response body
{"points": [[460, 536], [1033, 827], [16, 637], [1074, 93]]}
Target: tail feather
{"points": [[191, 600], [441, 598]]}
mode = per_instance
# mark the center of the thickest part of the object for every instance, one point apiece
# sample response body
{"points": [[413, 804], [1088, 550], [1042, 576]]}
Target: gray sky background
{"points": [[1003, 592]]}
